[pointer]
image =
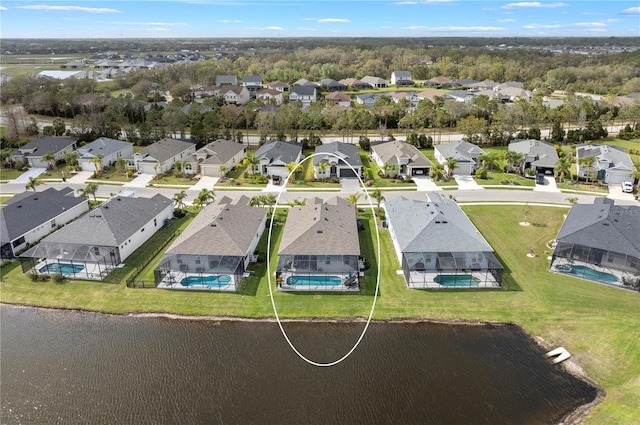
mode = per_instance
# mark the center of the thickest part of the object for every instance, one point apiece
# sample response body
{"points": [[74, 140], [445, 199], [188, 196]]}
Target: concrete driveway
{"points": [[80, 177], [548, 186], [467, 183], [349, 185], [615, 192], [205, 182], [31, 172], [425, 184]]}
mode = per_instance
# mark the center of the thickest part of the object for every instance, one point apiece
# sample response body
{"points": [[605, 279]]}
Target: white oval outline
{"points": [[273, 304]]}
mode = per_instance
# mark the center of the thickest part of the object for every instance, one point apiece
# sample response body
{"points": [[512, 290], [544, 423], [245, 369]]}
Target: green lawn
{"points": [[599, 325], [170, 179], [9, 173], [506, 179]]}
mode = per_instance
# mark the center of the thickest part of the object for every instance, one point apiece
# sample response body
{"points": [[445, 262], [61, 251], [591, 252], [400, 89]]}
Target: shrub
{"points": [[481, 173], [34, 277], [57, 277]]}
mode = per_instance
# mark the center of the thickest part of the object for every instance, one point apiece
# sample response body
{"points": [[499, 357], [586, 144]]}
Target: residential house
{"points": [[459, 96], [367, 99], [483, 85], [91, 246], [355, 84], [274, 157], [401, 79], [600, 242], [278, 86], [429, 94], [160, 157], [33, 151], [215, 250], [462, 83], [437, 81], [320, 247], [74, 65], [339, 99], [303, 82], [612, 164], [270, 95], [220, 153], [514, 93], [509, 85], [222, 80], [331, 85], [235, 95], [398, 158], [29, 216], [105, 64], [253, 83], [438, 246], [467, 156], [304, 94], [375, 82], [493, 94], [341, 160], [538, 155], [109, 149]]}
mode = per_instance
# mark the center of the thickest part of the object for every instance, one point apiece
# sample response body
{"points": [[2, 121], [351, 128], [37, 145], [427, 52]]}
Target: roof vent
{"points": [[319, 231], [35, 199], [118, 199], [19, 206], [213, 224]]}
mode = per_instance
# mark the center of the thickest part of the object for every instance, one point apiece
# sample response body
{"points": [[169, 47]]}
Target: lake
{"points": [[75, 367]]}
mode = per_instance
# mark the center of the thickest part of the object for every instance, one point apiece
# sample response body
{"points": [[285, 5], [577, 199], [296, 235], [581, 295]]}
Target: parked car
{"points": [[627, 187], [540, 179]]}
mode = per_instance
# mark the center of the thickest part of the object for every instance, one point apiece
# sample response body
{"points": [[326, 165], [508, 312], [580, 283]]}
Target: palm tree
{"points": [[379, 197], [250, 161], [223, 170], [179, 198], [255, 201], [270, 200], [489, 160], [300, 202], [354, 197], [292, 167], [71, 158], [50, 158], [587, 162], [33, 182], [205, 197], [563, 167], [513, 159], [437, 172], [121, 165], [391, 170], [89, 190], [451, 164], [97, 162], [323, 170]]}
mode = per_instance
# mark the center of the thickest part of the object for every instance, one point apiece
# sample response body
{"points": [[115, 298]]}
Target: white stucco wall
{"points": [[145, 232]]}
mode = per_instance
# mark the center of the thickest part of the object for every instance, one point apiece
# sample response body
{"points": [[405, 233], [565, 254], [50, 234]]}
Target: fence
{"points": [[132, 281]]}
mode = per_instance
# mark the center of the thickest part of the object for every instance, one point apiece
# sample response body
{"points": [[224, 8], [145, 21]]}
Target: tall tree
{"points": [[33, 183], [379, 197], [97, 163], [89, 190], [179, 198]]}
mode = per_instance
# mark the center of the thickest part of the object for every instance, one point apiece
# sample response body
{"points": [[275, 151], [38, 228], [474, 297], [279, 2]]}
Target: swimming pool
{"points": [[65, 269], [454, 280], [206, 281], [587, 273], [314, 280]]}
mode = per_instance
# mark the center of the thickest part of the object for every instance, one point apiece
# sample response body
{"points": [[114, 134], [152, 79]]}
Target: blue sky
{"points": [[265, 18]]}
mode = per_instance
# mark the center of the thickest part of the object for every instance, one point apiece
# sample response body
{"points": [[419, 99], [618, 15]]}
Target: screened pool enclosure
{"points": [[73, 261], [598, 265], [190, 271], [318, 272], [434, 270]]}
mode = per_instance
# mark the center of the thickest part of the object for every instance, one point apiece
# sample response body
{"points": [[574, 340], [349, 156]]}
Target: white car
{"points": [[627, 187]]}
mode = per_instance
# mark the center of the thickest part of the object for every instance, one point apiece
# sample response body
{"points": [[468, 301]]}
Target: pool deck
{"points": [[283, 286], [90, 271], [424, 280], [172, 281], [559, 263]]}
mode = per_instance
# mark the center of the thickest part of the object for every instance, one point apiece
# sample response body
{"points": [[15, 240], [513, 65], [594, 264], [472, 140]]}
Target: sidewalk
{"points": [[425, 184]]}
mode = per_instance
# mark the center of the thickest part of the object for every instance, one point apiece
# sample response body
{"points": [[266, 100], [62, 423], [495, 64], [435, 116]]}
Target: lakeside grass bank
{"points": [[599, 325]]}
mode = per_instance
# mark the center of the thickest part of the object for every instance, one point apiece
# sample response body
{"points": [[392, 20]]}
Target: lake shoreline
{"points": [[574, 417]]}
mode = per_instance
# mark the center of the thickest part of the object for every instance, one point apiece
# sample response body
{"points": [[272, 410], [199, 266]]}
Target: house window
{"points": [[96, 250], [610, 258], [155, 222], [142, 230], [197, 260], [53, 223], [18, 241], [328, 260], [179, 260]]}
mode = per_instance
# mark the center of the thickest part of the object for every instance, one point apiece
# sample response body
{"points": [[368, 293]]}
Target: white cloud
{"points": [[631, 11], [334, 20], [454, 28], [68, 8], [4, 9], [405, 3], [572, 25], [269, 28], [157, 29], [507, 20], [149, 24], [533, 4], [229, 21]]}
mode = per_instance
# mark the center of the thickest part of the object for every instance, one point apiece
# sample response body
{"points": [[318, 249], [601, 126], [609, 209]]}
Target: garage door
{"points": [[420, 172], [347, 172]]}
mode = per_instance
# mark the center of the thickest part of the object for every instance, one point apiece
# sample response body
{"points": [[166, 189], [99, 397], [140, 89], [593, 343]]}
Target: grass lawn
{"points": [[169, 178], [599, 325], [506, 179], [4, 199], [9, 173]]}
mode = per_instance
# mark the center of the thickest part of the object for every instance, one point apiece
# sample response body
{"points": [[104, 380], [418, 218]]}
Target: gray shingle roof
{"points": [[165, 149], [603, 225], [226, 79], [303, 90], [347, 152], [405, 75], [102, 146], [217, 152], [539, 153], [319, 228], [253, 79], [48, 144], [437, 225], [112, 223], [279, 152], [220, 229], [617, 157], [389, 153], [462, 151], [29, 210]]}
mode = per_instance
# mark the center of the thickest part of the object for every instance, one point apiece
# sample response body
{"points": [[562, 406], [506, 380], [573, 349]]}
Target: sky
{"points": [[309, 18]]}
